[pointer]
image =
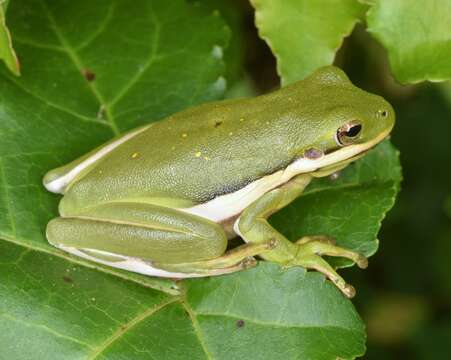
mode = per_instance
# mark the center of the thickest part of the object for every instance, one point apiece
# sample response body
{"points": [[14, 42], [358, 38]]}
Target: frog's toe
{"points": [[362, 261], [248, 262], [310, 250], [349, 291], [322, 245], [320, 238], [312, 261]]}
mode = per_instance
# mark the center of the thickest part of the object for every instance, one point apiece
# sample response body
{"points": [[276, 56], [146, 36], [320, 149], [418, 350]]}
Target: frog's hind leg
{"points": [[254, 228], [149, 239], [205, 268], [236, 259]]}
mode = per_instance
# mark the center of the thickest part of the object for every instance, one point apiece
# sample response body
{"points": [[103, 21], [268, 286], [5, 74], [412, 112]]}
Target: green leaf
{"points": [[417, 37], [275, 313], [303, 34], [234, 54], [349, 208], [7, 53], [79, 88], [85, 314], [50, 306]]}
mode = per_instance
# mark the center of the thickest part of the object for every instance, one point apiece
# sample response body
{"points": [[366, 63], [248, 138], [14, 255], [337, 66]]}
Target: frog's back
{"points": [[192, 156], [198, 154]]}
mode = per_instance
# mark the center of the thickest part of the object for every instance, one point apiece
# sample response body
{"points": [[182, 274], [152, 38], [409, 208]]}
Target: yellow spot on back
{"points": [[184, 135], [206, 158], [241, 119], [198, 154], [135, 155], [230, 133]]}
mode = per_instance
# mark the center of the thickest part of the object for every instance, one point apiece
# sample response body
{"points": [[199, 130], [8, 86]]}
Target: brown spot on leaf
{"points": [[88, 74], [68, 279], [240, 323]]}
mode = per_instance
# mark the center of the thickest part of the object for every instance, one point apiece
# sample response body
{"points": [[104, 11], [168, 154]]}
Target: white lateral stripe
{"points": [[59, 184], [226, 206], [229, 205], [130, 264]]}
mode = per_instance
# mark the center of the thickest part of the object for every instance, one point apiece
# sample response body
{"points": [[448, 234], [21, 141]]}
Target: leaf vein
{"points": [[90, 265], [147, 65], [105, 22], [72, 54], [126, 327], [47, 329], [197, 330], [36, 44], [279, 325], [56, 106]]}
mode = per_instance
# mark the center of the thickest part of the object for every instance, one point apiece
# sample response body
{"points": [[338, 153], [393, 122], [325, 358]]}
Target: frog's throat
{"points": [[227, 206]]}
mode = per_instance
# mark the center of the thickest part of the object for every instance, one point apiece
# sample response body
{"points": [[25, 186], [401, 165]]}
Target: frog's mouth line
{"points": [[342, 155]]}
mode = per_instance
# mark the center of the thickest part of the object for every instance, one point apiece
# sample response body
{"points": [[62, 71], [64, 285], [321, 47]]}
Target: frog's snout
{"points": [[384, 117]]}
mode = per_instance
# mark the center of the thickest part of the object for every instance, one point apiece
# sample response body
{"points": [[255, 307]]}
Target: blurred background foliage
{"points": [[405, 294]]}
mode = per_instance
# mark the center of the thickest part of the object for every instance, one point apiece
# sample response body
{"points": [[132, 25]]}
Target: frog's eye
{"points": [[348, 133]]}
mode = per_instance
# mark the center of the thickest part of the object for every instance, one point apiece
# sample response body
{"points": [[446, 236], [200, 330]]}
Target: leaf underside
{"points": [[416, 35], [304, 35], [7, 53]]}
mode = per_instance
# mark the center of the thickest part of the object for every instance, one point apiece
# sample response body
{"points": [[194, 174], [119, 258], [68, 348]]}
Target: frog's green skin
{"points": [[163, 199]]}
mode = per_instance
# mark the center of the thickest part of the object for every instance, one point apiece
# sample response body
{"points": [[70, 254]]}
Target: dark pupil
{"points": [[354, 131]]}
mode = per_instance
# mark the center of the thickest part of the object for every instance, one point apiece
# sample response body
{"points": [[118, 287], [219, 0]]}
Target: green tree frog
{"points": [[164, 199]]}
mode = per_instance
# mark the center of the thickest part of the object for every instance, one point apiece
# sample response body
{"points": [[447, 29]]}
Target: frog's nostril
{"points": [[383, 113]]}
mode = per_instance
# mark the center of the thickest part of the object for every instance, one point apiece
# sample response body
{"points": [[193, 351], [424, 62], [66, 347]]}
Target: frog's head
{"points": [[345, 120]]}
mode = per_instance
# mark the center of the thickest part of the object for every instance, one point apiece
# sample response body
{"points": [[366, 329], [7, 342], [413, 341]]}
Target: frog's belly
{"points": [[230, 205]]}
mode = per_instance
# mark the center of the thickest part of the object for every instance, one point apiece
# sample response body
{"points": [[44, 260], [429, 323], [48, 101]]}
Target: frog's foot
{"points": [[254, 228], [321, 245], [310, 250]]}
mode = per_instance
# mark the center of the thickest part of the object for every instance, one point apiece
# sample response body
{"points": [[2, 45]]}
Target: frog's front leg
{"points": [[253, 227], [150, 239]]}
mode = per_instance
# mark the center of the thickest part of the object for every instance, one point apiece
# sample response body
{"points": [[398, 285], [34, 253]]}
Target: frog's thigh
{"points": [[139, 230]]}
